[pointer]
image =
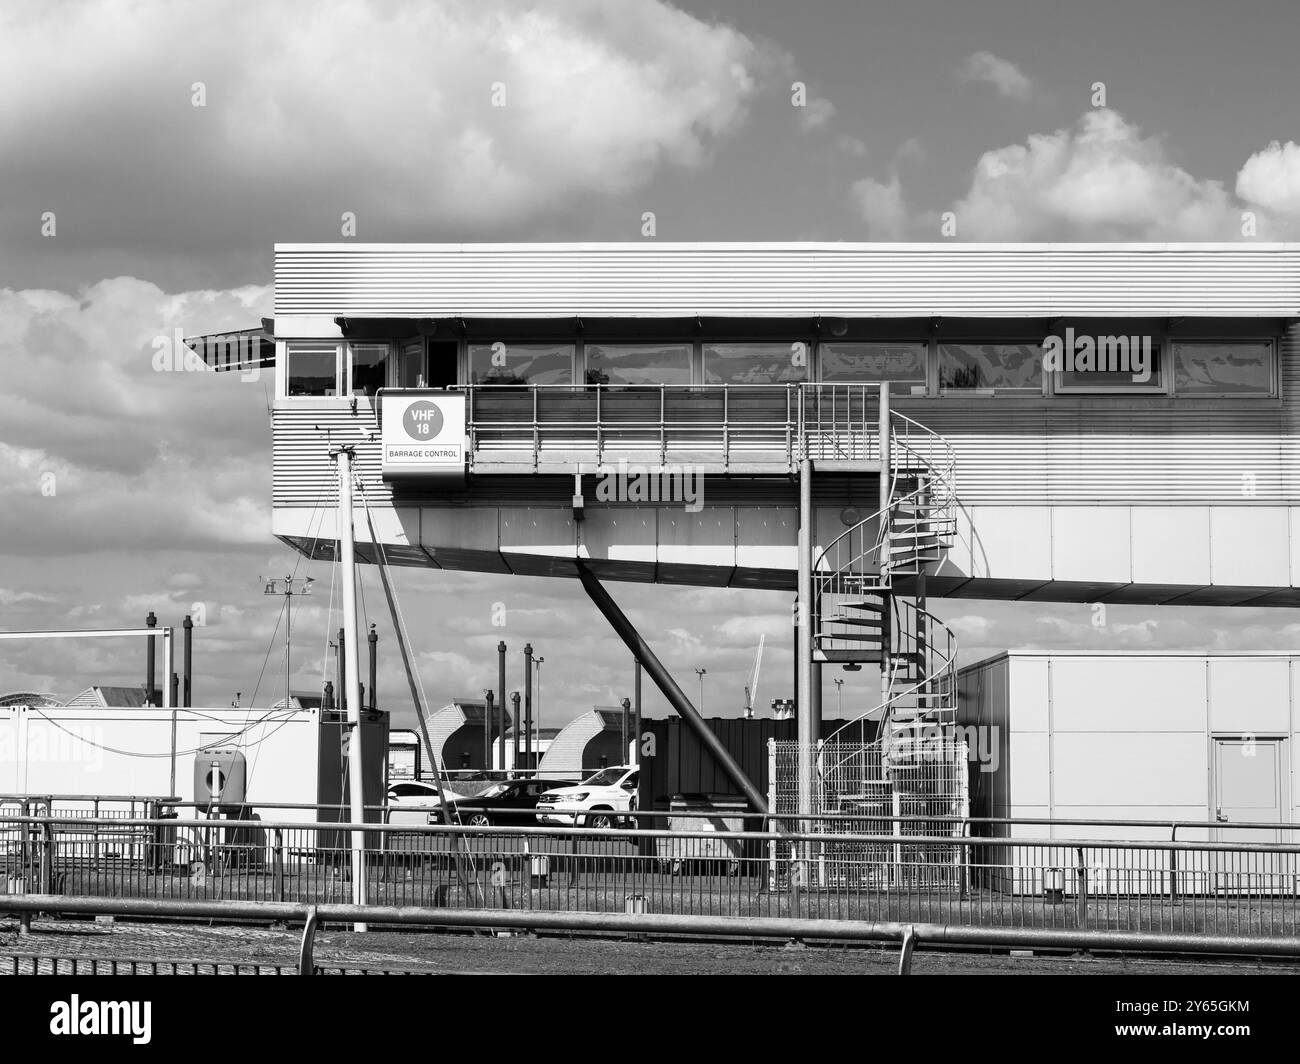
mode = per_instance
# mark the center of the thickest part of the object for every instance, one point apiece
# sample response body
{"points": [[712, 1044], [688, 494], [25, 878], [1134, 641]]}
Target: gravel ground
{"points": [[556, 955]]}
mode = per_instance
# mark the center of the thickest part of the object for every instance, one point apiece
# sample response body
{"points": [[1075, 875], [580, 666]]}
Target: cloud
{"points": [[1101, 180], [100, 450], [1271, 179], [1003, 75], [815, 114], [852, 146], [452, 118], [880, 204]]}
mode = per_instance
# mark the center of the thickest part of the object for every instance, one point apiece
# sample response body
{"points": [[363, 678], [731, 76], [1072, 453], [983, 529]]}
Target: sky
{"points": [[151, 154]]}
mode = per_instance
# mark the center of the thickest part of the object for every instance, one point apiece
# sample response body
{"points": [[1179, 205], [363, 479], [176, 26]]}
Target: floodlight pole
{"points": [[347, 559]]}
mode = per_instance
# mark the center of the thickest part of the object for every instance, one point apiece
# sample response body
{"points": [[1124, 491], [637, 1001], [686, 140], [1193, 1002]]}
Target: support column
{"points": [[805, 702], [886, 497], [349, 659], [636, 715]]}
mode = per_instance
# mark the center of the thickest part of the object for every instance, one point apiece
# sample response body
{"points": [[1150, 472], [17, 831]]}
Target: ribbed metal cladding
{"points": [[787, 280], [302, 472]]}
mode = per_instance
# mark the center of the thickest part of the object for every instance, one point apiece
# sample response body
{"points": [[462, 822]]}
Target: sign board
{"points": [[423, 435]]}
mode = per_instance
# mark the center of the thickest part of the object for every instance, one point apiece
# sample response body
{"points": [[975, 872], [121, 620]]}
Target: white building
{"points": [[1160, 736]]}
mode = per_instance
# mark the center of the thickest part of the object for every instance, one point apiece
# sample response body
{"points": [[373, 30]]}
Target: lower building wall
{"points": [[127, 752], [1166, 738]]}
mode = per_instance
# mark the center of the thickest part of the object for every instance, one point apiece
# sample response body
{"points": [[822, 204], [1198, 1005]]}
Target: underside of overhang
{"points": [[771, 579]]}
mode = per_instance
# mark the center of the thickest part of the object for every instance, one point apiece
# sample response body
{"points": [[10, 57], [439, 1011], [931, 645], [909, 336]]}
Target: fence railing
{"points": [[663, 423], [1205, 887]]}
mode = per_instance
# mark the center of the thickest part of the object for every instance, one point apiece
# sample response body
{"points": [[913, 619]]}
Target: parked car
{"points": [[511, 802], [415, 803], [593, 803]]}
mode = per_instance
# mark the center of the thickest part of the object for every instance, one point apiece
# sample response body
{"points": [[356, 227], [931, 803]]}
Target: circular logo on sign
{"points": [[422, 420], [216, 780]]}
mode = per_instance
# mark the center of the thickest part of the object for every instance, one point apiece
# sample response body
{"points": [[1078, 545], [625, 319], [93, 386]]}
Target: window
{"points": [[755, 363], [902, 364], [410, 365], [1110, 364], [638, 363], [501, 363], [993, 369], [369, 366], [1223, 368], [313, 369]]}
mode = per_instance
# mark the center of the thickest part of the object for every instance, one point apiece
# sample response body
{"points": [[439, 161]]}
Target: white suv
{"points": [[594, 802]]}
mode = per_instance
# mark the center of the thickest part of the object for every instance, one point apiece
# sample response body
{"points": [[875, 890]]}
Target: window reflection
{"points": [[755, 363], [502, 363], [1006, 369], [1223, 369], [369, 367], [410, 365], [903, 364], [638, 364]]}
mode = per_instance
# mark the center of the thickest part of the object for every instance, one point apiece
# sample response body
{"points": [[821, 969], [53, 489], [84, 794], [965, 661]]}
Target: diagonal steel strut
{"points": [[663, 680]]}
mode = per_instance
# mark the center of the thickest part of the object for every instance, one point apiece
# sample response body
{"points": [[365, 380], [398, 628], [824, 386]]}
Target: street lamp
{"points": [[700, 673], [285, 587], [839, 691]]}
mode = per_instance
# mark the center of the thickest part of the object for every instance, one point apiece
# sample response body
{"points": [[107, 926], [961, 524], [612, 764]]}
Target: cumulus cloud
{"points": [[99, 449], [1003, 75], [1271, 179], [816, 114], [1101, 180], [421, 116], [881, 206]]}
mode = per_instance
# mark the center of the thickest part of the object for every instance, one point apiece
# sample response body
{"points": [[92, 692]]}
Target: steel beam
{"points": [[663, 680], [743, 927]]}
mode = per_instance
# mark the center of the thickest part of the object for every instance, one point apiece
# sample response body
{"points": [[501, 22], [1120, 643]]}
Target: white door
{"points": [[1250, 787]]}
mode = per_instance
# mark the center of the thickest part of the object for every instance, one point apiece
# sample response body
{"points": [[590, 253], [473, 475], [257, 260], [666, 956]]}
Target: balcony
{"points": [[734, 428]]}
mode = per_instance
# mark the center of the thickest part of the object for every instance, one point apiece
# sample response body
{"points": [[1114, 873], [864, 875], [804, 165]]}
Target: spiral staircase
{"points": [[869, 608]]}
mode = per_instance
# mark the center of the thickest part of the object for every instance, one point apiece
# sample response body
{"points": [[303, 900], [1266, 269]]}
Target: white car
{"points": [[593, 803], [415, 803]]}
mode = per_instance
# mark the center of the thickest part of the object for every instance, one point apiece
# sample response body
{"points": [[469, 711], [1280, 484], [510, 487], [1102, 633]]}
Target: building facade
{"points": [[866, 425]]}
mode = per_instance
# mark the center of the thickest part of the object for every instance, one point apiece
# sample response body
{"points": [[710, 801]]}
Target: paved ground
{"points": [[553, 955]]}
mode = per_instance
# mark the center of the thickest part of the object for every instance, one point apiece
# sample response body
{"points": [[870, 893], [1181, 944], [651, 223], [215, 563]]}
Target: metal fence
{"points": [[1017, 879], [873, 790]]}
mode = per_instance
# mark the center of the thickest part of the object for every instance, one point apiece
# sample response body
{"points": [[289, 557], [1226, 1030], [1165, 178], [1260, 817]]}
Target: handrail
{"points": [[908, 623]]}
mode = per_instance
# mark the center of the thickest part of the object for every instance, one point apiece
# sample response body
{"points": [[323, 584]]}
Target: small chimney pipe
{"points": [[187, 689], [501, 701], [341, 687], [373, 640], [150, 677], [528, 704], [514, 705]]}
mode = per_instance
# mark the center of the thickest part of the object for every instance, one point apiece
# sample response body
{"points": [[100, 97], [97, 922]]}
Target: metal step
{"points": [[875, 607], [861, 622]]}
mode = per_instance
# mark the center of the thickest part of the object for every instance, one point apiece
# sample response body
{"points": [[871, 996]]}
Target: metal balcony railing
{"points": [[723, 423]]}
